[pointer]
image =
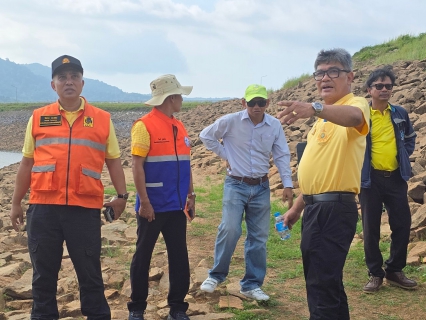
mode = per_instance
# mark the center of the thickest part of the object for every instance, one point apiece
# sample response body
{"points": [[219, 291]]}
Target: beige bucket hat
{"points": [[165, 86]]}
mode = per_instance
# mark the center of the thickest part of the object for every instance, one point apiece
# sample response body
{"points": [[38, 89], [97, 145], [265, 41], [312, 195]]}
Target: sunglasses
{"points": [[260, 103], [379, 86]]}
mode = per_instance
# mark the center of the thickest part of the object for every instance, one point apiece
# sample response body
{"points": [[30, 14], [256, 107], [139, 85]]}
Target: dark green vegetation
{"points": [[109, 106]]}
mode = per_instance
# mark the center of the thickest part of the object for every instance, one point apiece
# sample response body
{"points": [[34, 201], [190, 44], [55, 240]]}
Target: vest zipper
{"points": [[175, 132], [68, 165]]}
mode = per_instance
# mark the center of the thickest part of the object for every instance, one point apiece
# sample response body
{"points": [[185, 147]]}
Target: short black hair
{"points": [[381, 74]]}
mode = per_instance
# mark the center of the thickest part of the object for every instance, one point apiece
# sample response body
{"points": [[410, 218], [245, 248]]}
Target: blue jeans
{"points": [[254, 201]]}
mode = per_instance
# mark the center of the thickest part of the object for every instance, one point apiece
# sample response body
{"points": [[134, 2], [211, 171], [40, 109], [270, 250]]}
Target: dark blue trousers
{"points": [[173, 227], [328, 229], [391, 191], [48, 227]]}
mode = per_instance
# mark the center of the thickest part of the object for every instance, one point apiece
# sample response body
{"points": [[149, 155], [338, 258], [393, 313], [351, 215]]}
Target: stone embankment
{"points": [[119, 237]]}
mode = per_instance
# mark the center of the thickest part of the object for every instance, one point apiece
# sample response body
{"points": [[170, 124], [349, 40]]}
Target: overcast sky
{"points": [[218, 46]]}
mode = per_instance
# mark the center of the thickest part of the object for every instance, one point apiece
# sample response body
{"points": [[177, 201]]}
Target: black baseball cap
{"points": [[65, 61]]}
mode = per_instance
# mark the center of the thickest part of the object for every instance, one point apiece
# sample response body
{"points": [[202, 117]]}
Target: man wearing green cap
{"points": [[249, 136]]}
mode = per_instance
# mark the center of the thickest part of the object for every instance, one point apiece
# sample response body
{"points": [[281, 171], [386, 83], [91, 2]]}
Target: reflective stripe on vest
{"points": [[46, 168], [79, 142], [167, 158]]}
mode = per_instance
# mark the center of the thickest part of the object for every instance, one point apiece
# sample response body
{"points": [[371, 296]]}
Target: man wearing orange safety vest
{"points": [[66, 145], [162, 174]]}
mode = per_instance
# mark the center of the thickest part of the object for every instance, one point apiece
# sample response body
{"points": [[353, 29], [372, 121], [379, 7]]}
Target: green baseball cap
{"points": [[255, 91]]}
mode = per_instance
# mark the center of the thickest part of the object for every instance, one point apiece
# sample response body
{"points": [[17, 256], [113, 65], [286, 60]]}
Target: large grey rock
{"points": [[418, 219], [21, 288], [416, 190]]}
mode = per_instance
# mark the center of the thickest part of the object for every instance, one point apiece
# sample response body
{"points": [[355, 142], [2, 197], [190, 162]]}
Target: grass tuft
{"points": [[292, 82]]}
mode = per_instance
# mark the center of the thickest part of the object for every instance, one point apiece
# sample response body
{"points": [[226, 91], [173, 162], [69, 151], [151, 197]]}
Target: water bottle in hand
{"points": [[283, 230]]}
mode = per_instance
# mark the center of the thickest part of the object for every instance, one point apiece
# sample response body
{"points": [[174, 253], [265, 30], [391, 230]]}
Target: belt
{"points": [[329, 197], [251, 181], [383, 173]]}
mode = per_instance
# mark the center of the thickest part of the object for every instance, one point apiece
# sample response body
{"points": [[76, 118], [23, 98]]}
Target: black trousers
{"points": [[391, 191], [173, 227], [328, 229], [48, 227]]}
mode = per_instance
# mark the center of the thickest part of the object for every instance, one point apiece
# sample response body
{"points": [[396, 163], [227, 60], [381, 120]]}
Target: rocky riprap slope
{"points": [[119, 237]]}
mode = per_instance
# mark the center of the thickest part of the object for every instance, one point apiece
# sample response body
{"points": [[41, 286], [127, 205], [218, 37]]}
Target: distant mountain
{"points": [[31, 83]]}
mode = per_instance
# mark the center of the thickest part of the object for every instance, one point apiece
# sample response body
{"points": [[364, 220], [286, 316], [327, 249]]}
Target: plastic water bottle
{"points": [[283, 231]]}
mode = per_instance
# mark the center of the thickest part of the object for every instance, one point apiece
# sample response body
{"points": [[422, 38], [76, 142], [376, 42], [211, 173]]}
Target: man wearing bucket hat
{"points": [[162, 174], [66, 192], [249, 137]]}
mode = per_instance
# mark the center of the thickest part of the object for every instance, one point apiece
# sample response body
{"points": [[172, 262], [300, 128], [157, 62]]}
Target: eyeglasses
{"points": [[379, 86], [260, 103], [331, 73]]}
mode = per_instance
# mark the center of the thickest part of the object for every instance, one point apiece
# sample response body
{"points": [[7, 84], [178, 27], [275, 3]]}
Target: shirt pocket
{"points": [[42, 176], [89, 181], [266, 142]]}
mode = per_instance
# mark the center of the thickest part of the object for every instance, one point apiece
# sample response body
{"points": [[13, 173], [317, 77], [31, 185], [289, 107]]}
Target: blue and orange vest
{"points": [[167, 165], [68, 161]]}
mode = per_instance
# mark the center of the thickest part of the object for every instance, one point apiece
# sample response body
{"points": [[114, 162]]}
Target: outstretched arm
{"points": [[346, 116]]}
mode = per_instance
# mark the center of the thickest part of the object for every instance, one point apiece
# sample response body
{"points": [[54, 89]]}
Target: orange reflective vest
{"points": [[68, 160], [167, 165]]}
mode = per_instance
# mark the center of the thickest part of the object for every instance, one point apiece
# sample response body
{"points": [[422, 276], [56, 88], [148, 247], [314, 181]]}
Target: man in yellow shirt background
{"points": [[385, 173], [329, 177]]}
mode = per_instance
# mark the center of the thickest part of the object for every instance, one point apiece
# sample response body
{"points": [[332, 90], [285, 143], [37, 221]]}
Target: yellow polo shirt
{"points": [[112, 149], [141, 140], [333, 157], [383, 142]]}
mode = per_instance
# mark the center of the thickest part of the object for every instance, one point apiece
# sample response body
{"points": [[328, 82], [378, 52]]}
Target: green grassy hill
{"points": [[404, 47]]}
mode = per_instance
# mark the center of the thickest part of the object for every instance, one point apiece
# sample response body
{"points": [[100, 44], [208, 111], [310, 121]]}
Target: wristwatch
{"points": [[124, 196], [318, 107], [192, 194]]}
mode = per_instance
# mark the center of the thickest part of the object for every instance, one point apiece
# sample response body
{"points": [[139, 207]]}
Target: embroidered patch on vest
{"points": [[88, 122], [161, 140], [50, 121]]}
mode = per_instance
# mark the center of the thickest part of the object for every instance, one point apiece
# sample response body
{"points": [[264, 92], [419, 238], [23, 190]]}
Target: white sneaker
{"points": [[256, 294], [209, 285]]}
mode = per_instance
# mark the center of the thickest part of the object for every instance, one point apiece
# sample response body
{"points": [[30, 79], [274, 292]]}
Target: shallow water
{"points": [[7, 158]]}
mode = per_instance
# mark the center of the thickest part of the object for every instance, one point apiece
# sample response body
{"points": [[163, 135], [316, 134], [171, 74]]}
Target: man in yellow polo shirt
{"points": [[384, 178], [329, 178]]}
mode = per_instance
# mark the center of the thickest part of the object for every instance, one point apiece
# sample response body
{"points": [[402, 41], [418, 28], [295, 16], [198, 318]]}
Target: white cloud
{"points": [[218, 46]]}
